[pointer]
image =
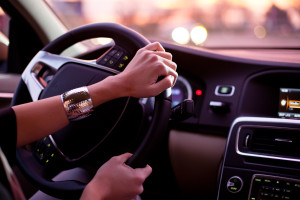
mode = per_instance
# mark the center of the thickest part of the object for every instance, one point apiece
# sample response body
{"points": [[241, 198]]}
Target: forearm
{"points": [[36, 120]]}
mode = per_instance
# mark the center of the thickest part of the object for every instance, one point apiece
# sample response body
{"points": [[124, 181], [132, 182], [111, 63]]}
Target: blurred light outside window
{"points": [[4, 21], [204, 23]]}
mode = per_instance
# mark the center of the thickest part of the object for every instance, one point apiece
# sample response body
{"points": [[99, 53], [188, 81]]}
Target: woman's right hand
{"points": [[140, 77], [116, 180]]}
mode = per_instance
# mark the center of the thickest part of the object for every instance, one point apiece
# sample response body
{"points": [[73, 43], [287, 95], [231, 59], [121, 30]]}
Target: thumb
{"points": [[124, 157], [143, 173]]}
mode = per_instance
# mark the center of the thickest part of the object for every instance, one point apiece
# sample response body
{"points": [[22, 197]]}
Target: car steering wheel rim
{"points": [[28, 87]]}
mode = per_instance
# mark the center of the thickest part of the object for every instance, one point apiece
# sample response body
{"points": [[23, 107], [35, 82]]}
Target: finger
{"points": [[165, 71], [169, 72], [155, 46], [124, 157], [170, 64], [144, 172], [163, 84], [163, 54], [147, 170], [171, 79]]}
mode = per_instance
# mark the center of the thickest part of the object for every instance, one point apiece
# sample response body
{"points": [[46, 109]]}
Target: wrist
{"points": [[108, 89], [122, 85], [118, 86]]}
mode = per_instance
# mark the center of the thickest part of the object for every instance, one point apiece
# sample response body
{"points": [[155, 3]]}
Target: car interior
{"points": [[229, 129]]}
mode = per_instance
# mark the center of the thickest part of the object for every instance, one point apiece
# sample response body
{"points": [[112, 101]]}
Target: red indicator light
{"points": [[198, 92]]}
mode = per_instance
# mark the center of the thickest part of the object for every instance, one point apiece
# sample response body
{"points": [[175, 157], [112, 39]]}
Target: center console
{"points": [[262, 159]]}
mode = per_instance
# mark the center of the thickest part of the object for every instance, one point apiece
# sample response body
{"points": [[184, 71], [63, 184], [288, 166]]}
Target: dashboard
{"points": [[254, 104], [242, 140]]}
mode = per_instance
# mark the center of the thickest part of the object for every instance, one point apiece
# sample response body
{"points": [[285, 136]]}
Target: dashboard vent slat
{"points": [[283, 142]]}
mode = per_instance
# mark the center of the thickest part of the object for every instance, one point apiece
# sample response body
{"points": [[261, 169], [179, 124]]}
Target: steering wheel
{"points": [[116, 123]]}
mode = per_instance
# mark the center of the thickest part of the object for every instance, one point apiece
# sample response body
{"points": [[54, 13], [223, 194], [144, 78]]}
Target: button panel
{"points": [[45, 152], [264, 187], [116, 58]]}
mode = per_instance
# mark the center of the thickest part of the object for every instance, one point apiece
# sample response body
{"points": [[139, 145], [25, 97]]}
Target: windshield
{"points": [[203, 23]]}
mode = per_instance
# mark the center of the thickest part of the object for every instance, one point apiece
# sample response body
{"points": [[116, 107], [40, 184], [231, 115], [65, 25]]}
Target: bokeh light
{"points": [[4, 39], [102, 41], [260, 32], [199, 34], [181, 35]]}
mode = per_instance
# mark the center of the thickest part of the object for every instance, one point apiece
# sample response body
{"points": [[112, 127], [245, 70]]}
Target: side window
{"points": [[8, 82], [4, 42]]}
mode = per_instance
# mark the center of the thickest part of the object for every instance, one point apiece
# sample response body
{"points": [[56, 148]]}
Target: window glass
{"points": [[4, 42], [4, 21], [209, 23]]}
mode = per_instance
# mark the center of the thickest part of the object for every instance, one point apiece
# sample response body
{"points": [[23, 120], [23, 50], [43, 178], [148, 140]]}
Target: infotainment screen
{"points": [[289, 103]]}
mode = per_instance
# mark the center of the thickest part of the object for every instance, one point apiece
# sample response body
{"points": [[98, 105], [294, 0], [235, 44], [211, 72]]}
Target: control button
{"points": [[111, 62], [125, 58], [257, 180], [287, 190], [103, 60], [121, 66], [112, 52], [224, 90], [118, 55], [219, 106], [286, 197], [234, 184], [268, 180]]}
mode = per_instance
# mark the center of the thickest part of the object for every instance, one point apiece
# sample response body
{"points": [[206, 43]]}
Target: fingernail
{"points": [[172, 79]]}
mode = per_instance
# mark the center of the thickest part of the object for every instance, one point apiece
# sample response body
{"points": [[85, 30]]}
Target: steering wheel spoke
{"points": [[44, 65]]}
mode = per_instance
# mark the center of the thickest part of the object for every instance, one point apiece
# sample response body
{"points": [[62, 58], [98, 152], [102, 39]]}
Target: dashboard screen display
{"points": [[289, 103]]}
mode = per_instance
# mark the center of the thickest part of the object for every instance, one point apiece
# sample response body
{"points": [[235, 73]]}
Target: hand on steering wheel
{"points": [[69, 144]]}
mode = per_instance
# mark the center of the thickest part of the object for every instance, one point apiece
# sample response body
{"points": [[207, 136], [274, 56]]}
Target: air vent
{"points": [[276, 141], [272, 141], [42, 73]]}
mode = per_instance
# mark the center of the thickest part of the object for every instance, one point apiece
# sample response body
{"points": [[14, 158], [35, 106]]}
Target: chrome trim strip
{"points": [[187, 85], [6, 95], [283, 140], [56, 62], [264, 120], [56, 147]]}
